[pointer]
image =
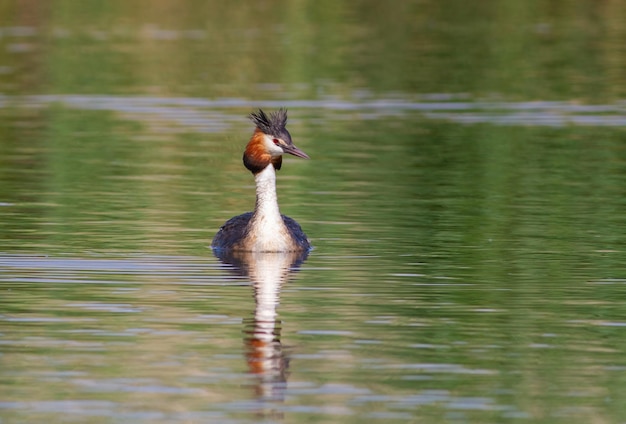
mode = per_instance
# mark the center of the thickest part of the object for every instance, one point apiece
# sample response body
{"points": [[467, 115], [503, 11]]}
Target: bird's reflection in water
{"points": [[267, 361]]}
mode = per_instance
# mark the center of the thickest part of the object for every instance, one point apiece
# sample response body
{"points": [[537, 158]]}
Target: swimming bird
{"points": [[265, 229]]}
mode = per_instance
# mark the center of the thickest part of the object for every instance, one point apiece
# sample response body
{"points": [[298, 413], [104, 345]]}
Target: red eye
{"points": [[276, 142]]}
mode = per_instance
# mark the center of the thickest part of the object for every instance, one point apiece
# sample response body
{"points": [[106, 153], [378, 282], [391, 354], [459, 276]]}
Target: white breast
{"points": [[267, 231]]}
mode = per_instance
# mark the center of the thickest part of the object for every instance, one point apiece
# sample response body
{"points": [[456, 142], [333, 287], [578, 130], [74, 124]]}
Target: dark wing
{"points": [[296, 231], [231, 232]]}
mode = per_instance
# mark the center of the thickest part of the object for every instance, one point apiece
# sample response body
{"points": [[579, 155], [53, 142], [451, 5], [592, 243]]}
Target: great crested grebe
{"points": [[265, 229]]}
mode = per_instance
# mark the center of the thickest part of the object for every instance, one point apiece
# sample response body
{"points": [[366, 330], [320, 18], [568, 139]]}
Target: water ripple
{"points": [[200, 114]]}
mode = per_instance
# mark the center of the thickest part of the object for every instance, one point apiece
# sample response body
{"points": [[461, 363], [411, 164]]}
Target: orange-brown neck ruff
{"points": [[256, 157]]}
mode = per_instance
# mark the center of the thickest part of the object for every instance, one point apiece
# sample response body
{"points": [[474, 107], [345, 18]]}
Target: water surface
{"points": [[464, 197]]}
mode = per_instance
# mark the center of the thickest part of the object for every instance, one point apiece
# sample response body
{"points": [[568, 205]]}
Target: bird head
{"points": [[270, 141]]}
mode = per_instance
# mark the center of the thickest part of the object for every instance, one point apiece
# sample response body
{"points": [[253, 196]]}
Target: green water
{"points": [[465, 198]]}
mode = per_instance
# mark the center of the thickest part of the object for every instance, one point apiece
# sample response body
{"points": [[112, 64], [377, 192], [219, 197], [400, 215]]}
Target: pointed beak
{"points": [[293, 150]]}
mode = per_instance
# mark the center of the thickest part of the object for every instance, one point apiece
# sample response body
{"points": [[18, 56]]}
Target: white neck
{"points": [[267, 227], [266, 200]]}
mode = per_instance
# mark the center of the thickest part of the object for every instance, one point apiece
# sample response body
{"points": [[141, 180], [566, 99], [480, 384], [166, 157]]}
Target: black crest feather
{"points": [[274, 124]]}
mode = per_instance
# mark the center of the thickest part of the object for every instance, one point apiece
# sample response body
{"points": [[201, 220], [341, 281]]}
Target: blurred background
{"points": [[536, 50], [109, 108]]}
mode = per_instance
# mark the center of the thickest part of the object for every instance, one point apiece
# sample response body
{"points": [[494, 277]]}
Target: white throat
{"points": [[267, 227]]}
